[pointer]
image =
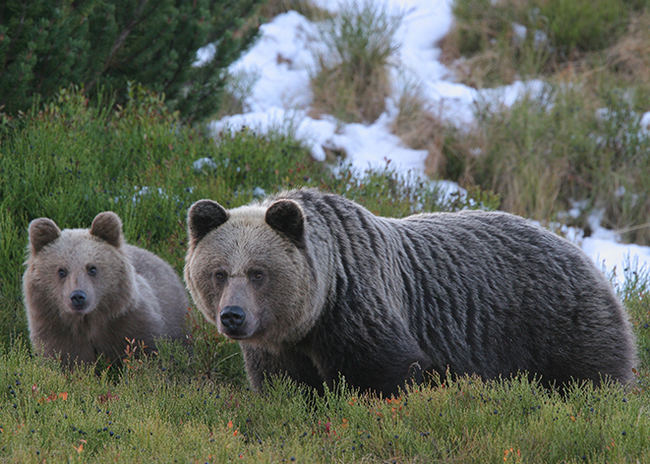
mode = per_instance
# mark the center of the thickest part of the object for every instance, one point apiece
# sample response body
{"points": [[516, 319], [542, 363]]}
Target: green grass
{"points": [[71, 160], [510, 39], [150, 415]]}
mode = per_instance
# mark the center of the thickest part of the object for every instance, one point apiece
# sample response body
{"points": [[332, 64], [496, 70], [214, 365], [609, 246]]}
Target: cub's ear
{"points": [[204, 216], [108, 227], [42, 231], [286, 217]]}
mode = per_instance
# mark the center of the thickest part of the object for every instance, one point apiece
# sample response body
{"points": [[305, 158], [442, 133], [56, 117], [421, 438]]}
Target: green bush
{"points": [[106, 44], [510, 39], [584, 25]]}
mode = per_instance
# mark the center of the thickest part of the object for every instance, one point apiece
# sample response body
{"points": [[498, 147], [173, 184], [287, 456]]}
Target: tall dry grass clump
{"points": [[629, 57], [351, 80], [419, 126]]}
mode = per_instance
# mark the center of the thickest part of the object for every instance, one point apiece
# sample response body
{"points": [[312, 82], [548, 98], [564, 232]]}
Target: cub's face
{"points": [[74, 270], [248, 277]]}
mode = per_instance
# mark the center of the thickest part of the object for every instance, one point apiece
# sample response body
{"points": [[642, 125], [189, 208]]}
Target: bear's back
{"points": [[514, 296], [483, 292], [166, 286]]}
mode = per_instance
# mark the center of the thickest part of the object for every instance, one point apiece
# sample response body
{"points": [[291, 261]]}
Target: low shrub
{"points": [[584, 25]]}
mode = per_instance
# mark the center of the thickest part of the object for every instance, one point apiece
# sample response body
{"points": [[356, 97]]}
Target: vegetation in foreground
{"points": [[73, 158]]}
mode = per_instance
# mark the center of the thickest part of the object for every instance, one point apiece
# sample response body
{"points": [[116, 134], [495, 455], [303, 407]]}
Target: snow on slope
{"points": [[283, 57]]}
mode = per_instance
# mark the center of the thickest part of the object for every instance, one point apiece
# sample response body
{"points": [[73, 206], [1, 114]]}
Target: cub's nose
{"points": [[78, 299], [232, 317]]}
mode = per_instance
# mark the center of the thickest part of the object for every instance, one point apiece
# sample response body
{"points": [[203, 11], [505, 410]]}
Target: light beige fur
{"points": [[129, 293], [239, 242]]}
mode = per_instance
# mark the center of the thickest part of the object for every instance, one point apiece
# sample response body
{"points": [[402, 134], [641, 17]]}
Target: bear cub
{"points": [[87, 291], [313, 285]]}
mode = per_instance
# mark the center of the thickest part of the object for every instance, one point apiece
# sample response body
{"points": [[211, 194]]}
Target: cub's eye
{"points": [[62, 272], [220, 276], [92, 271], [256, 276]]}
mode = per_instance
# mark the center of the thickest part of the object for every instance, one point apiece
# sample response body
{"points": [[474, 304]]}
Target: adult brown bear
{"points": [[313, 285]]}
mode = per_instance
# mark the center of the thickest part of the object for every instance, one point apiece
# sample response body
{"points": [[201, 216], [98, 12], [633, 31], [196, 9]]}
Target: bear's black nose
{"points": [[78, 298], [232, 317]]}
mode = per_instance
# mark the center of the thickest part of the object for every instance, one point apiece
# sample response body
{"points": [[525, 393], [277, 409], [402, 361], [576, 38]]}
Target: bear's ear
{"points": [[286, 217], [41, 232], [204, 216], [108, 227]]}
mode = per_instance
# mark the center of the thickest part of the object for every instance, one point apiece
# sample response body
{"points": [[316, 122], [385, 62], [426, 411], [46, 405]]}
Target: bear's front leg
{"points": [[382, 368], [260, 364]]}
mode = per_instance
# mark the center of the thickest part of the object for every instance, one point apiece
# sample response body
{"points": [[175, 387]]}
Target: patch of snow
{"points": [[645, 123], [448, 190], [204, 54], [284, 56], [201, 163], [258, 192], [519, 31], [146, 190]]}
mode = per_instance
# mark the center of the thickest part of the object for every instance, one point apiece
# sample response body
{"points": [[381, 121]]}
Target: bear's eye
{"points": [[62, 272], [92, 271], [256, 276], [220, 276]]}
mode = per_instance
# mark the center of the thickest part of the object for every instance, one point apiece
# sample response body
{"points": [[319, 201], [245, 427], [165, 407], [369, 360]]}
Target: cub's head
{"points": [[74, 271], [248, 272]]}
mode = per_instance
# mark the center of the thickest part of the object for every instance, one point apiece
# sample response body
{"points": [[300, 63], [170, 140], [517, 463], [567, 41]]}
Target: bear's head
{"points": [[76, 272], [248, 271]]}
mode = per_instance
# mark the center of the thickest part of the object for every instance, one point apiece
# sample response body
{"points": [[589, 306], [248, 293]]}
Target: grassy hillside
{"points": [[73, 158], [579, 142]]}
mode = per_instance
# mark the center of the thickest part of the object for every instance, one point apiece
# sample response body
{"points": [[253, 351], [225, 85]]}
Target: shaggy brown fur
{"points": [[314, 285], [86, 292]]}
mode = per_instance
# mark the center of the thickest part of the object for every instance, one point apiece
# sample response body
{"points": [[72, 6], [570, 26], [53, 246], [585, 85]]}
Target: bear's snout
{"points": [[78, 300], [232, 319]]}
